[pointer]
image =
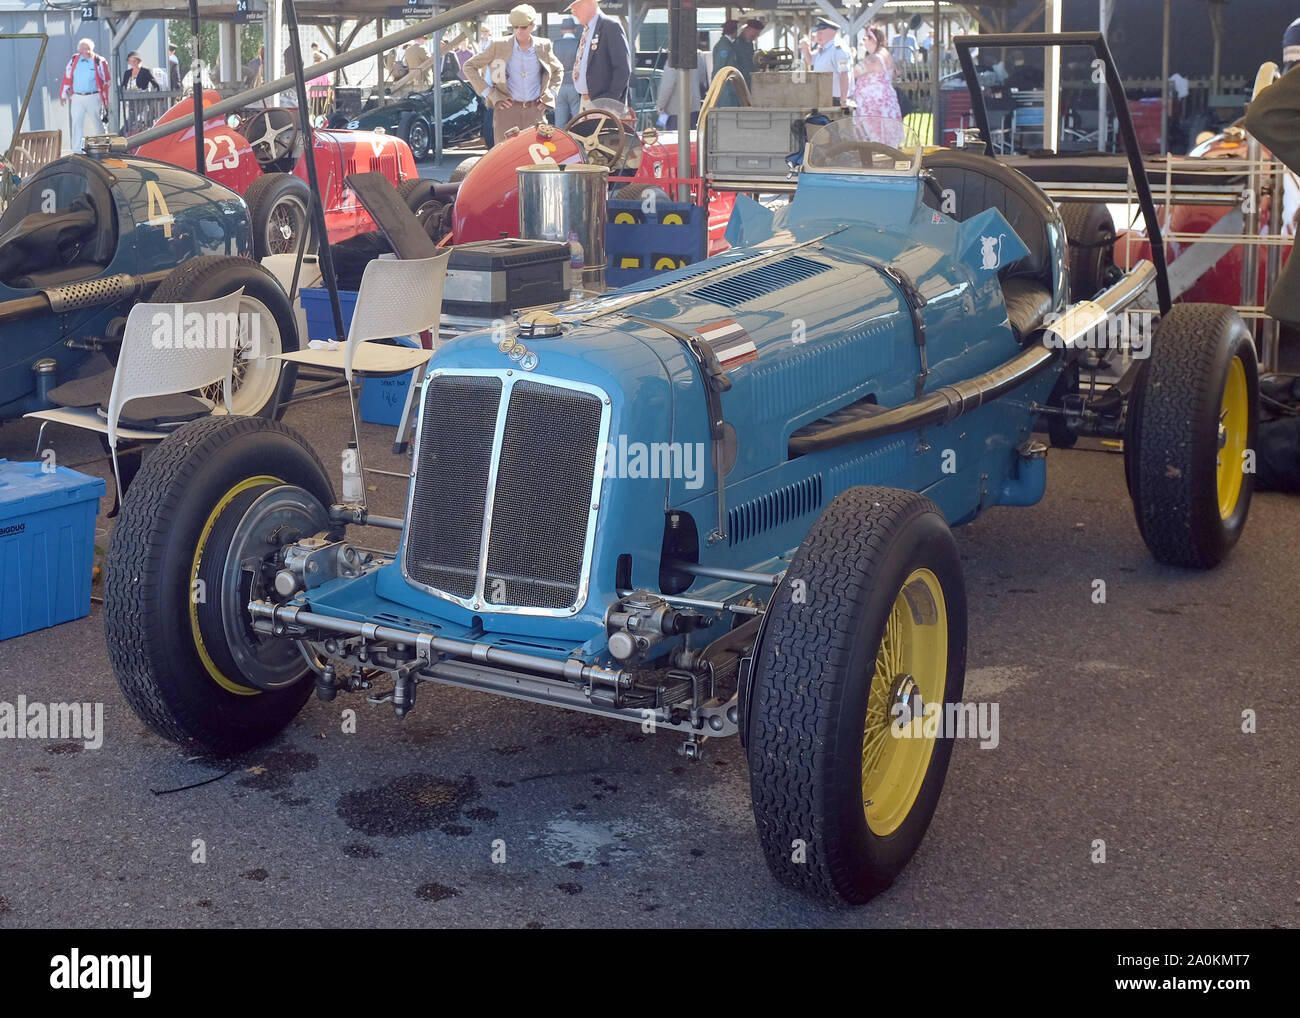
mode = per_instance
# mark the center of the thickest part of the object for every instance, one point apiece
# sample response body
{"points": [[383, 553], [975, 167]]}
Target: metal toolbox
{"points": [[494, 277]]}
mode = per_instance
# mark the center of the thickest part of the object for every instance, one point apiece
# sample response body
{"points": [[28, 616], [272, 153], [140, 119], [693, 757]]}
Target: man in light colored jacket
{"points": [[668, 100], [525, 76]]}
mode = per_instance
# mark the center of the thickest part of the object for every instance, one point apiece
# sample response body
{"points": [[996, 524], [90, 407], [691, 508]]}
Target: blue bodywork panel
{"points": [[808, 320]]}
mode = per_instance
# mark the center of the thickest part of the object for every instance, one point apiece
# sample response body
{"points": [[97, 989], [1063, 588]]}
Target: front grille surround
{"points": [[477, 600]]}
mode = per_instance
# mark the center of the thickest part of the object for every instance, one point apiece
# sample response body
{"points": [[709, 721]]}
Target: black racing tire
{"points": [[1090, 234], [462, 169], [816, 676], [262, 386], [1202, 369], [416, 133], [171, 522], [421, 198], [279, 202]]}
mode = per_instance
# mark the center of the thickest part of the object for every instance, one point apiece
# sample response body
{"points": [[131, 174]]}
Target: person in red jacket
{"points": [[85, 85]]}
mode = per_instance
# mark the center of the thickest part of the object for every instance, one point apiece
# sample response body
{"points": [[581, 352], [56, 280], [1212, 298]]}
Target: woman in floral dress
{"points": [[873, 79]]}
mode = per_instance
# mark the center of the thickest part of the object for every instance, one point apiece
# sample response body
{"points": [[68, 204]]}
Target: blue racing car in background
{"points": [[86, 237]]}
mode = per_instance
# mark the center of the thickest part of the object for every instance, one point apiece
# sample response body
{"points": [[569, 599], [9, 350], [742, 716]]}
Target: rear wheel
{"points": [[278, 205], [262, 382], [421, 198], [417, 135], [1190, 443], [1090, 232], [177, 581], [867, 631]]}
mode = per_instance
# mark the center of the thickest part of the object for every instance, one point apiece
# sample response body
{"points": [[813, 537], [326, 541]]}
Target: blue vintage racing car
{"points": [[86, 237], [716, 502]]}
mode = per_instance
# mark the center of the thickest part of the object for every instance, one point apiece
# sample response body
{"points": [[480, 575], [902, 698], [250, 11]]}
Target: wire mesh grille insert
{"points": [[543, 503], [445, 524]]}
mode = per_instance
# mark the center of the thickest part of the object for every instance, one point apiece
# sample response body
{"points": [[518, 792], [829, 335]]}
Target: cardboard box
{"points": [[792, 88]]}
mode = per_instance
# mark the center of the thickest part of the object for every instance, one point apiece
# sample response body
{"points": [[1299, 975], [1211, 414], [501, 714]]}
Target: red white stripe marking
{"points": [[731, 343]]}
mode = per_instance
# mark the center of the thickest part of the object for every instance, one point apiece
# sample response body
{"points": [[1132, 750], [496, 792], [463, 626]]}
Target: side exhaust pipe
{"points": [[951, 401]]}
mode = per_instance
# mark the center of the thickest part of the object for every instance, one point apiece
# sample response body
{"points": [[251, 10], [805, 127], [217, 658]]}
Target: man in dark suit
{"points": [[1273, 117], [724, 55], [603, 66]]}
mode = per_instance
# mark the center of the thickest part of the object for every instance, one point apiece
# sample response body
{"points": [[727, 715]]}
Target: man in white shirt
{"points": [[830, 56]]}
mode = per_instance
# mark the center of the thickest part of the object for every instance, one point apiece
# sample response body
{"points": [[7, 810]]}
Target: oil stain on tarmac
{"points": [[407, 805]]}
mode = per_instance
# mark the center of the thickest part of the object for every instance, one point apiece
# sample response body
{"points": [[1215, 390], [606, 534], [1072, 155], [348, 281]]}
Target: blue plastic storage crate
{"points": [[47, 545], [382, 399], [644, 248]]}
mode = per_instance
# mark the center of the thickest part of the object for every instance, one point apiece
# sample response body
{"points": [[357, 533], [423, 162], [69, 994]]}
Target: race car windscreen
{"points": [[861, 144]]}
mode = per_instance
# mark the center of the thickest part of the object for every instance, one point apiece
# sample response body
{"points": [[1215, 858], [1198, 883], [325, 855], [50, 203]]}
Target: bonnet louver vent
{"points": [[760, 282], [749, 519]]}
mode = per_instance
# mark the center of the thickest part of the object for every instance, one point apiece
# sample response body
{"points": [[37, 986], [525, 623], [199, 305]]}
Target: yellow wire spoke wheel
{"points": [[862, 645], [1233, 428], [905, 702], [1192, 420]]}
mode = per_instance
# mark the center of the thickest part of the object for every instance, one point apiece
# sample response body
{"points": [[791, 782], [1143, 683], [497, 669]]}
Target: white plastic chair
{"points": [[398, 298], [157, 363]]}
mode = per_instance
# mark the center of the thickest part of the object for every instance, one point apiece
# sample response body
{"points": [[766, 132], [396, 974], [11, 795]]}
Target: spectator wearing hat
{"points": [[744, 61], [724, 55], [830, 56], [567, 100], [603, 65], [137, 75], [525, 76]]}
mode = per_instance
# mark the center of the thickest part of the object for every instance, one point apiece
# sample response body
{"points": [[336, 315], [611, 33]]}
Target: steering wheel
{"points": [[273, 134], [606, 143], [867, 150]]}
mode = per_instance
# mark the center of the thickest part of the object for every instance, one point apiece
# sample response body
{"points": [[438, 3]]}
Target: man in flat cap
{"points": [[829, 56], [525, 75], [603, 66]]}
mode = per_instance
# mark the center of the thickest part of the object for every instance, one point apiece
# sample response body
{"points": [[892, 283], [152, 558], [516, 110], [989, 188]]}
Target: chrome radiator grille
{"points": [[506, 483]]}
